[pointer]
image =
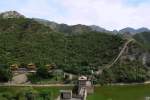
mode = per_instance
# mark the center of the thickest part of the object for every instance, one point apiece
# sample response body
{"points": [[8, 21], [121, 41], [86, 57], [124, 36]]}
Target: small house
{"points": [[65, 94], [14, 67]]}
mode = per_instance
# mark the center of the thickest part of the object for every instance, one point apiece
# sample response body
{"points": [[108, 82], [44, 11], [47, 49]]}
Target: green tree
{"points": [[5, 73]]}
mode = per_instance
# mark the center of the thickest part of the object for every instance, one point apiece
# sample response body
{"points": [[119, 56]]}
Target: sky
{"points": [[110, 14]]}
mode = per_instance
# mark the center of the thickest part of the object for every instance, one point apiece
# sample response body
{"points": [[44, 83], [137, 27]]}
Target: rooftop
{"points": [[82, 78]]}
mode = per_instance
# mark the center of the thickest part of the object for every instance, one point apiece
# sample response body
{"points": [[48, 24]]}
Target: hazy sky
{"points": [[110, 14]]}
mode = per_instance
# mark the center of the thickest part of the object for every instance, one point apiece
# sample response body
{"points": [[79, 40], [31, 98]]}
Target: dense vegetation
{"points": [[25, 41], [143, 38], [124, 73], [5, 73], [41, 74]]}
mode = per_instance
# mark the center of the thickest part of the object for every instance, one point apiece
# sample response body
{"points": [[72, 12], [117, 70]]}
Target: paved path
{"points": [[35, 85], [57, 85]]}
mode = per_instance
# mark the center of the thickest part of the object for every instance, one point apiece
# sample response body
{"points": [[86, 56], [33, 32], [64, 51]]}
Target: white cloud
{"points": [[36, 8], [40, 9], [111, 14]]}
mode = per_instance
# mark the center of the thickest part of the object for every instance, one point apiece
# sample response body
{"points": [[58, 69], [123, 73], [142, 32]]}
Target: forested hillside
{"points": [[25, 41], [74, 49], [143, 38]]}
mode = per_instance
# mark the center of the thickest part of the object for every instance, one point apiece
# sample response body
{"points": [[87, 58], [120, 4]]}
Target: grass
{"points": [[13, 91], [137, 92]]}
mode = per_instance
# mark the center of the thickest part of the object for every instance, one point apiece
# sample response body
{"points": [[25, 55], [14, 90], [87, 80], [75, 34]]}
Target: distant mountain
{"points": [[133, 31], [128, 29], [98, 28], [68, 29], [51, 24], [72, 29], [11, 14], [83, 28], [140, 30]]}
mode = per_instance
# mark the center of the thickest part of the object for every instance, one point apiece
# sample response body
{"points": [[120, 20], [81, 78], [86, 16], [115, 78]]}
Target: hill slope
{"points": [[143, 38], [24, 40], [75, 49]]}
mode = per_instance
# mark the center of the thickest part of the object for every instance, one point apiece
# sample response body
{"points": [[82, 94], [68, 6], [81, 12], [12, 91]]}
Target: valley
{"points": [[39, 58]]}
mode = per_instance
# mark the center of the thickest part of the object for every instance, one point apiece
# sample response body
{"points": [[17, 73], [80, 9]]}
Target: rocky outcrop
{"points": [[11, 14]]}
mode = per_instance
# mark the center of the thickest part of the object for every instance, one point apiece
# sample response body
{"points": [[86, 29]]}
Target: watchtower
{"points": [[82, 81], [85, 83]]}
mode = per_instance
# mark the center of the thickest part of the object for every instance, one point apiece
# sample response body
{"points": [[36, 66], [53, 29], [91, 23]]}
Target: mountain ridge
{"points": [[55, 26]]}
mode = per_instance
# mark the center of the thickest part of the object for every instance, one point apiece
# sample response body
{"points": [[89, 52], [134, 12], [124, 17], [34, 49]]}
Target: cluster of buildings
{"points": [[80, 91], [31, 67]]}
